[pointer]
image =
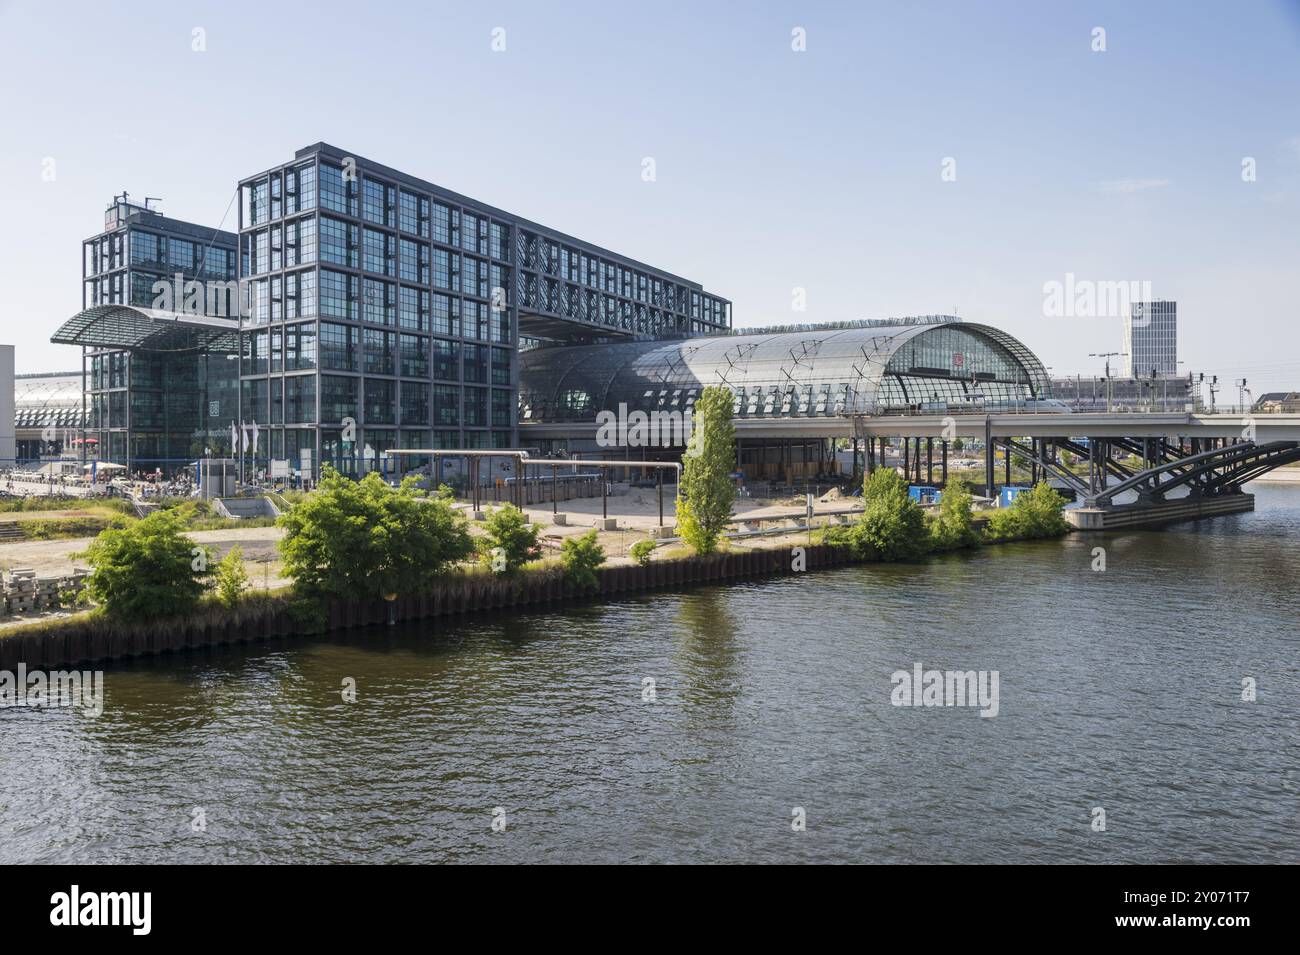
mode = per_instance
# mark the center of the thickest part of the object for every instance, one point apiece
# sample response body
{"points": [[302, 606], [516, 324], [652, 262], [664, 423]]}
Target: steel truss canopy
{"points": [[936, 364], [130, 327]]}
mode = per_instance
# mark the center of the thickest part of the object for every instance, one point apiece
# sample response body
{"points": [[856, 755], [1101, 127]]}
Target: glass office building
{"points": [[358, 309], [387, 311], [1151, 340], [159, 390]]}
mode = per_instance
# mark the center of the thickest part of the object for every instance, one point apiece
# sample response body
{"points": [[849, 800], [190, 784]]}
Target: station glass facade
{"points": [[389, 312], [153, 401], [929, 364]]}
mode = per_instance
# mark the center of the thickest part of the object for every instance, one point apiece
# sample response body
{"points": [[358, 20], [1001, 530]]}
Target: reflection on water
{"points": [[1118, 689]]}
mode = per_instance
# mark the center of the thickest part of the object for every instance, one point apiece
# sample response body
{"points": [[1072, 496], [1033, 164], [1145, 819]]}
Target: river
{"points": [[1119, 690]]}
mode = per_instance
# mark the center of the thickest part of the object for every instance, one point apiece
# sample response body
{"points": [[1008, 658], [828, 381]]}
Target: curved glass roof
{"points": [[51, 400], [126, 326], [936, 364]]}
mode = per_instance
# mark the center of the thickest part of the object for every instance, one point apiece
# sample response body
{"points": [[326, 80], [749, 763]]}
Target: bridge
{"points": [[1189, 464]]}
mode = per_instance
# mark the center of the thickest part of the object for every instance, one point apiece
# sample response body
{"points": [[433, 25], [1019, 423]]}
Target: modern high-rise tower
{"points": [[1151, 340]]}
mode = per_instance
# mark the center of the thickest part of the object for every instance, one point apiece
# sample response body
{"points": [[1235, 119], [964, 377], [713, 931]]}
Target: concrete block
{"points": [[607, 523], [560, 519], [661, 533]]}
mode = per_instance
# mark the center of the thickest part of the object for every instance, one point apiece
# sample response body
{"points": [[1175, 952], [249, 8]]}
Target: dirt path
{"points": [[55, 557]]}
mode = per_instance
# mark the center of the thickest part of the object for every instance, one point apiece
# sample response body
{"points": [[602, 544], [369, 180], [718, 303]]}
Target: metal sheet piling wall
{"points": [[79, 642]]}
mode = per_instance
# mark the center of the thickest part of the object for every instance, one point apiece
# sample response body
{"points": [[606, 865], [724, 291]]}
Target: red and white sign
{"points": [[957, 359]]}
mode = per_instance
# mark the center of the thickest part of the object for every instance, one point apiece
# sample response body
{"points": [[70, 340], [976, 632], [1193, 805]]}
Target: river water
{"points": [[1119, 690]]}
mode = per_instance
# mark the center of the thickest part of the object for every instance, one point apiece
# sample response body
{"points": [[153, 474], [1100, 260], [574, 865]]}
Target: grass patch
{"points": [[59, 502], [216, 523], [67, 528]]}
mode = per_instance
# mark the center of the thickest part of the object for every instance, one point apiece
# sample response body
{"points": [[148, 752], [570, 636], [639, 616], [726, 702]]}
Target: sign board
{"points": [[304, 462], [279, 468], [958, 359]]}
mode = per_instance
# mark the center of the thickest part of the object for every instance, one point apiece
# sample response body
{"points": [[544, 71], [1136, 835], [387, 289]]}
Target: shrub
{"points": [[641, 551], [364, 539], [707, 494], [1035, 513], [892, 526], [953, 527], [147, 569], [509, 541], [580, 557], [230, 577], [851, 537]]}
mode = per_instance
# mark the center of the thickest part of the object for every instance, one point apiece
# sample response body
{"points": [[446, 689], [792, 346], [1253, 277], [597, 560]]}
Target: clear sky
{"points": [[774, 169]]}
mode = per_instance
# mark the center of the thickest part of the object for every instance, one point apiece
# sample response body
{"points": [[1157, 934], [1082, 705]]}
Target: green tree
{"points": [[364, 539], [707, 493], [230, 577], [892, 525], [510, 541], [1034, 513], [953, 526], [148, 569], [580, 557]]}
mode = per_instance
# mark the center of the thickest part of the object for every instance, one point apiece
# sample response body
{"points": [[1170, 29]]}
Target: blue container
{"points": [[1009, 494]]}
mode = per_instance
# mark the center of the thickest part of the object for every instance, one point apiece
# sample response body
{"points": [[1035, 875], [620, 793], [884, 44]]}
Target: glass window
{"points": [[446, 405], [338, 242], [180, 253], [144, 249], [300, 347], [446, 360], [338, 294], [501, 366], [338, 347], [377, 252], [441, 268], [446, 315], [307, 292], [475, 363], [338, 398], [300, 399], [336, 193], [413, 309], [381, 407], [378, 352], [502, 409], [415, 404], [441, 223], [257, 206], [414, 262], [413, 214], [377, 202], [475, 409], [414, 351], [378, 302], [306, 187]]}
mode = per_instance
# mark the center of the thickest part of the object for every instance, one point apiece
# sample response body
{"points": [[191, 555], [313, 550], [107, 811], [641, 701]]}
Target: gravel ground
{"points": [[636, 512]]}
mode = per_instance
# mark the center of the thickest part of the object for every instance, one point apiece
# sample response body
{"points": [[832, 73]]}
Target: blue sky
{"points": [[775, 169]]}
